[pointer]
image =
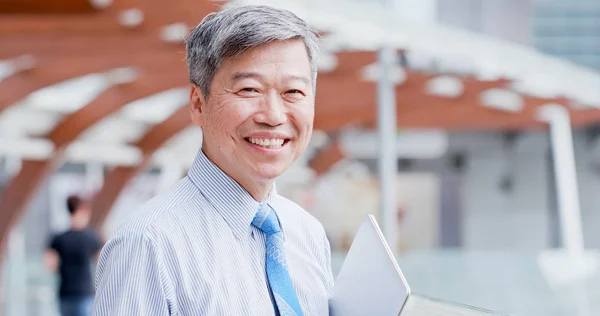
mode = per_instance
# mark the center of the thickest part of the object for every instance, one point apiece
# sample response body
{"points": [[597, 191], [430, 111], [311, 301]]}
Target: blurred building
{"points": [[495, 188], [505, 19], [508, 194], [486, 191], [568, 29]]}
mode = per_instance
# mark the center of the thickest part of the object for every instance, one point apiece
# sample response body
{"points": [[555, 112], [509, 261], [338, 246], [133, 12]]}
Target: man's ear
{"points": [[197, 105]]}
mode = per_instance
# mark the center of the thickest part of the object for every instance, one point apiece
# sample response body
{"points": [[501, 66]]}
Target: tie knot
{"points": [[266, 220]]}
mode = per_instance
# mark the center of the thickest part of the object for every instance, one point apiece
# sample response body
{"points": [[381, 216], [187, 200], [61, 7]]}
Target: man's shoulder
{"points": [[63, 236], [304, 230], [152, 216], [55, 239], [294, 212]]}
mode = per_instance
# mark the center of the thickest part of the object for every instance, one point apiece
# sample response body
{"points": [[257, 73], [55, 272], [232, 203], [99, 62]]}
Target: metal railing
{"points": [[507, 282]]}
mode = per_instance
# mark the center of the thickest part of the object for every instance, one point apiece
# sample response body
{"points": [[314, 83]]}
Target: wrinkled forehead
{"points": [[278, 60]]}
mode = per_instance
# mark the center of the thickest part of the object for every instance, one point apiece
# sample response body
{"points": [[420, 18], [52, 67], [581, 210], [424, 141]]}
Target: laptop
{"points": [[370, 282]]}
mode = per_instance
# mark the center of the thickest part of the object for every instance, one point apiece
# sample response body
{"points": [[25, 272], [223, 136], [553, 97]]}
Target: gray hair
{"points": [[233, 31]]}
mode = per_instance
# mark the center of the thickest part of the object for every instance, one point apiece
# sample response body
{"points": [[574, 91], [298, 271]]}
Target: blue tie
{"points": [[277, 273]]}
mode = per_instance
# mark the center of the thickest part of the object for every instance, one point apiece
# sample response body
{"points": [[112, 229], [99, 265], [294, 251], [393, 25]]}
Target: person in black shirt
{"points": [[71, 253]]}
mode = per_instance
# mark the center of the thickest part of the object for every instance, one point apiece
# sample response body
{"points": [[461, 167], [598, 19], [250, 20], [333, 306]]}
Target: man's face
{"points": [[81, 217], [259, 115]]}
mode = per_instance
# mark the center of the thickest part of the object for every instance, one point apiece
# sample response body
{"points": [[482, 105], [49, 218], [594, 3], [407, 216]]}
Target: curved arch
{"points": [[585, 117], [120, 176], [418, 109], [47, 6], [33, 173], [155, 14], [413, 107], [53, 70], [78, 46], [326, 157]]}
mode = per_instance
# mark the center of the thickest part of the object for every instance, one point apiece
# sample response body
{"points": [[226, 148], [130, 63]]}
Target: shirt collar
{"points": [[230, 199]]}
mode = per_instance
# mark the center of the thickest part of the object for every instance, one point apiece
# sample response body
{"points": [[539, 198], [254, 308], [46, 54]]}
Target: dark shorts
{"points": [[76, 305]]}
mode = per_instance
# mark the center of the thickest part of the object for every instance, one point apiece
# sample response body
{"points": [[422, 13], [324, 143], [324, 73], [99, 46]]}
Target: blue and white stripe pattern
{"points": [[277, 273], [194, 251]]}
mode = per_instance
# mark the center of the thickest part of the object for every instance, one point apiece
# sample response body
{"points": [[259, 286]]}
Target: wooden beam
{"points": [[352, 101], [50, 71], [26, 183], [17, 195], [585, 117], [46, 6], [326, 158], [102, 203], [120, 177], [80, 46], [418, 109], [156, 14], [349, 62], [161, 133]]}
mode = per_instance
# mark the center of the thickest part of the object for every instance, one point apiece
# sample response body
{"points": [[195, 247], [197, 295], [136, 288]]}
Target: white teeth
{"points": [[267, 143]]}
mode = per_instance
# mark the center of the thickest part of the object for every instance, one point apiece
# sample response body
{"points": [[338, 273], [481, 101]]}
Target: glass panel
{"points": [[507, 282], [418, 305]]}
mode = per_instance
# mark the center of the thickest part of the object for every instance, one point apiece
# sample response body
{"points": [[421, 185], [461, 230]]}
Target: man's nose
{"points": [[273, 111]]}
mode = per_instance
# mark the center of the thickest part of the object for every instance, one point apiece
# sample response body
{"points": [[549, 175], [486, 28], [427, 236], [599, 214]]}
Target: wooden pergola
{"points": [[67, 39]]}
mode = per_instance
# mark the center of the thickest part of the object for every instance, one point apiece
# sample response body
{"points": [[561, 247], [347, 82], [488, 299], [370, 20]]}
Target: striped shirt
{"points": [[193, 251]]}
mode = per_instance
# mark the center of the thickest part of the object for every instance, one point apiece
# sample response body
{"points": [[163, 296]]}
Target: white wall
{"points": [[520, 219], [506, 19], [494, 218]]}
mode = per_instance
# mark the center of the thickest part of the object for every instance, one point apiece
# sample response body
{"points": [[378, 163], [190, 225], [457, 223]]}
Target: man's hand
{"points": [[51, 260]]}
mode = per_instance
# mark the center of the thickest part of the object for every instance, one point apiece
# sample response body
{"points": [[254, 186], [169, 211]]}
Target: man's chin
{"points": [[269, 171]]}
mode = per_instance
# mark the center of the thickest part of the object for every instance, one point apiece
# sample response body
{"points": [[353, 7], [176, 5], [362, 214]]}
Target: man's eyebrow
{"points": [[244, 75], [300, 78]]}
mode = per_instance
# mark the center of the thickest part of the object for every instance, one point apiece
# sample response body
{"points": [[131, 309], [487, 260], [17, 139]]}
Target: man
{"points": [[222, 241], [72, 252]]}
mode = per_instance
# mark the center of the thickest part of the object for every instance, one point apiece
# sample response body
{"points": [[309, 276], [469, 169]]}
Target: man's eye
{"points": [[294, 91], [248, 90]]}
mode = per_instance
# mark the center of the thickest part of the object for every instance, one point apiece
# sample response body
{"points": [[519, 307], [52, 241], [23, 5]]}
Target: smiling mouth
{"points": [[272, 143]]}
